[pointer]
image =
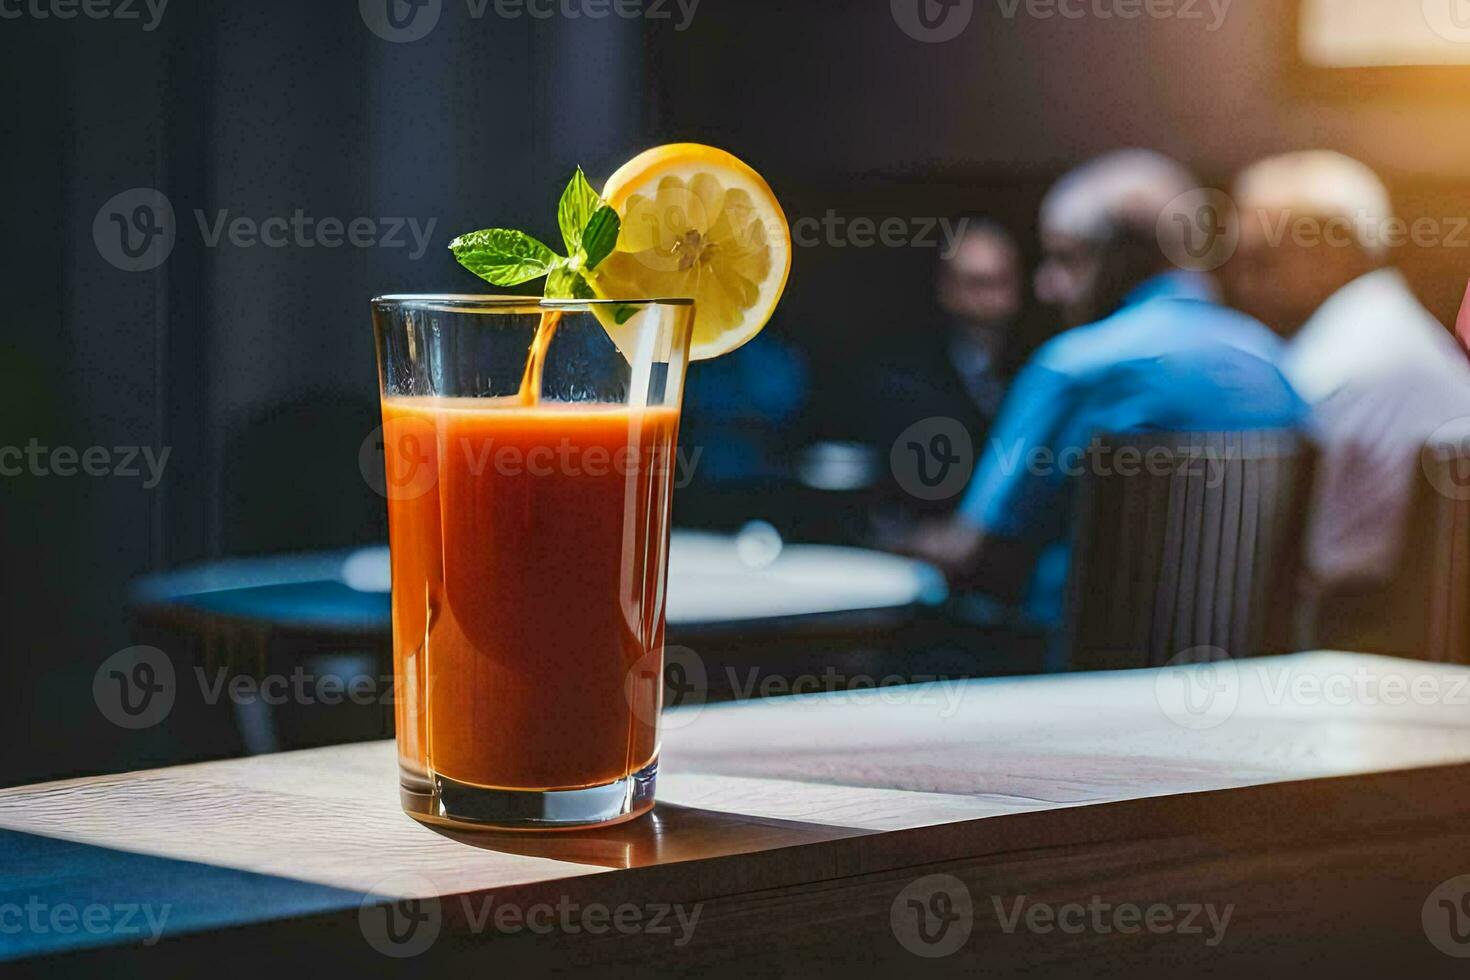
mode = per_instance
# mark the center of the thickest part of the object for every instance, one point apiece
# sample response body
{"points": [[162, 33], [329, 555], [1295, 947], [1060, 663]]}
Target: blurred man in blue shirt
{"points": [[1156, 353]]}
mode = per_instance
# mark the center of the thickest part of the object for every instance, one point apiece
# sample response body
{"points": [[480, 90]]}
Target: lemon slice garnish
{"points": [[698, 223]]}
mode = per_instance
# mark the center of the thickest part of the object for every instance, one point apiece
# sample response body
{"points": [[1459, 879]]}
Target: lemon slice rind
{"points": [[713, 189]]}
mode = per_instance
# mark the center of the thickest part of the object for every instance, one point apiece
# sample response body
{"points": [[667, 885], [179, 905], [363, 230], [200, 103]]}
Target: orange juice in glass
{"points": [[529, 525], [529, 449]]}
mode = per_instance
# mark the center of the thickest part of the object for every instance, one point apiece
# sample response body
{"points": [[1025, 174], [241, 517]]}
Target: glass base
{"points": [[445, 802]]}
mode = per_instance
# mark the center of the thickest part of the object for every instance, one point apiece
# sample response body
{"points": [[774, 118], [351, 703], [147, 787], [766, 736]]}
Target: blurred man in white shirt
{"points": [[1381, 373]]}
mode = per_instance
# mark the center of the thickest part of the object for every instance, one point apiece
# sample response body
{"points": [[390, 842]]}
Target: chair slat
{"points": [[1187, 554]]}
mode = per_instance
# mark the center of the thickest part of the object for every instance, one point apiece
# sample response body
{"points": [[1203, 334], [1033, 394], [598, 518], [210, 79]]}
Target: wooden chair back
{"points": [[1185, 540]]}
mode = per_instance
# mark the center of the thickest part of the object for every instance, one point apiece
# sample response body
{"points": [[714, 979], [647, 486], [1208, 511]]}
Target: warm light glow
{"points": [[1384, 33]]}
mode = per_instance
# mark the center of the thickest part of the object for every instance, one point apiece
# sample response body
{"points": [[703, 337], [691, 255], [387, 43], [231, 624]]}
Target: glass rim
{"points": [[496, 303]]}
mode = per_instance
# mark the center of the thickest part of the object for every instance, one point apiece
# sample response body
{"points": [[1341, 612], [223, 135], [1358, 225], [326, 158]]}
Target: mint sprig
{"points": [[579, 202], [600, 236], [504, 257]]}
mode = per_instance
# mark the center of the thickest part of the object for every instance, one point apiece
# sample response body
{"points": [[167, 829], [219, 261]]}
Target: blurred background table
{"points": [[808, 830], [753, 583], [736, 603]]}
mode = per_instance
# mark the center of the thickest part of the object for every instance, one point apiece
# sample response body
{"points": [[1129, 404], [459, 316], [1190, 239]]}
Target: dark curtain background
{"points": [[253, 365]]}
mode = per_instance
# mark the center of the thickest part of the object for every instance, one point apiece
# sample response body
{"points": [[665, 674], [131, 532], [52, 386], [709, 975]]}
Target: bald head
{"points": [[1100, 227], [1324, 186], [1311, 223], [1126, 188]]}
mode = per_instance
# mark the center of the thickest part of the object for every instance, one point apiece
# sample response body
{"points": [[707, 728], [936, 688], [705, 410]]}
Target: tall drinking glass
{"points": [[529, 447]]}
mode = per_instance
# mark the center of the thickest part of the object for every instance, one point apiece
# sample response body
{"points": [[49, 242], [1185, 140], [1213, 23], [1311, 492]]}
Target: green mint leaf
{"points": [[565, 283], [600, 236], [504, 257], [579, 202], [622, 314]]}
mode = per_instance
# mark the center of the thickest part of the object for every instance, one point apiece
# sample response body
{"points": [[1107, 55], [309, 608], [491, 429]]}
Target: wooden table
{"points": [[1318, 801]]}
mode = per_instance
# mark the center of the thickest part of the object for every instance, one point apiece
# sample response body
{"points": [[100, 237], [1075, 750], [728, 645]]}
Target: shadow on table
{"points": [[670, 833]]}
